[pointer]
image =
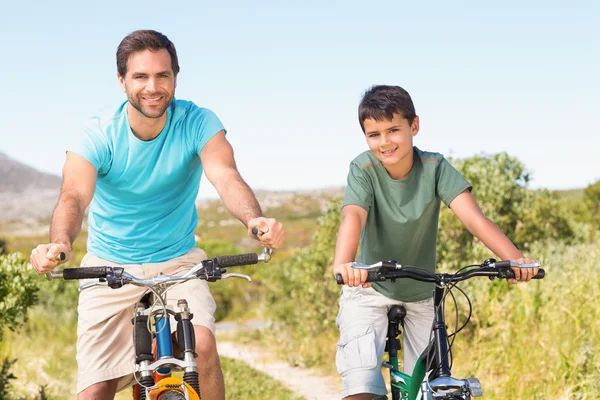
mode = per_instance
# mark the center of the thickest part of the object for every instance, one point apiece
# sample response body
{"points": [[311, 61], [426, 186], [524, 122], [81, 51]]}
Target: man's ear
{"points": [[122, 82], [414, 127]]}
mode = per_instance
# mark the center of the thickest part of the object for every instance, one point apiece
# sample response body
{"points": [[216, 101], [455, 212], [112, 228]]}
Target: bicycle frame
{"points": [[407, 387]]}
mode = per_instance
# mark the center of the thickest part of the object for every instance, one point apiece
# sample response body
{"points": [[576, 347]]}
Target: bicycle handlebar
{"points": [[210, 270], [383, 271]]}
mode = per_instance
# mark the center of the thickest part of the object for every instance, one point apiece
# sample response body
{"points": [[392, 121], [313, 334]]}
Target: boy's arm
{"points": [[468, 212], [353, 221]]}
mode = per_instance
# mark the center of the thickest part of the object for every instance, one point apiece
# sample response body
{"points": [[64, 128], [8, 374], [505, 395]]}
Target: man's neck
{"points": [[145, 128]]}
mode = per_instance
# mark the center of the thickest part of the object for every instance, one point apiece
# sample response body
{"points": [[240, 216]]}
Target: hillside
{"points": [[27, 197]]}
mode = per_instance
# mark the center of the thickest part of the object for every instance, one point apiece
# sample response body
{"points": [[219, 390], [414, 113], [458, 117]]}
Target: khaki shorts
{"points": [[104, 331], [363, 325]]}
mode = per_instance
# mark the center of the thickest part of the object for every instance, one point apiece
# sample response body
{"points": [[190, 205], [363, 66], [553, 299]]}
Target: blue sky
{"points": [[286, 78]]}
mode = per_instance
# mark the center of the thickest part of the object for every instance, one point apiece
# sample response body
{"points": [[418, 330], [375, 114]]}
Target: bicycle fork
{"points": [[164, 358]]}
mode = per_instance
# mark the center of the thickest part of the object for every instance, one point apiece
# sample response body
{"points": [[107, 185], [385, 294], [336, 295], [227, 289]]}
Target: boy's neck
{"points": [[400, 170]]}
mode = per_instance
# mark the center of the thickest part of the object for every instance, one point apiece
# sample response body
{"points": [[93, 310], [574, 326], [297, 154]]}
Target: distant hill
{"points": [[16, 177], [27, 197]]}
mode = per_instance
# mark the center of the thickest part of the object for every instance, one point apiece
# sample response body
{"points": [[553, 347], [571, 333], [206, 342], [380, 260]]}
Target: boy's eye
{"points": [[373, 135]]}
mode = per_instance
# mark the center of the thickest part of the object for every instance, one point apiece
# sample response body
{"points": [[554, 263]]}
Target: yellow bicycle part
{"points": [[172, 384]]}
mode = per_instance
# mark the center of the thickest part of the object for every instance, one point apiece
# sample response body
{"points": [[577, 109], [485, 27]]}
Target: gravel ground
{"points": [[310, 384]]}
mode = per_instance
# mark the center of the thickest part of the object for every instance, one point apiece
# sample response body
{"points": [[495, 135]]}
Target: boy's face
{"points": [[391, 142]]}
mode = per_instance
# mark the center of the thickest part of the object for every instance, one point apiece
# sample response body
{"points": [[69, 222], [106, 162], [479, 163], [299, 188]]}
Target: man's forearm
{"points": [[239, 198], [66, 220]]}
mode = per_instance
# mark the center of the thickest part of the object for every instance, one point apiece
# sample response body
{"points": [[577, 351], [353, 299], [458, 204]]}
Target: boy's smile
{"points": [[391, 142]]}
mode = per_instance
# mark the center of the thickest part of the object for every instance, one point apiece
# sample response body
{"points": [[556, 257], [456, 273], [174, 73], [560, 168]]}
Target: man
{"points": [[139, 171]]}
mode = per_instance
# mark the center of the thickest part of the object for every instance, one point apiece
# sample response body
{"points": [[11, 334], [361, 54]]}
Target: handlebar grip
{"points": [[372, 276], [85, 273], [237, 260], [62, 256], [540, 275]]}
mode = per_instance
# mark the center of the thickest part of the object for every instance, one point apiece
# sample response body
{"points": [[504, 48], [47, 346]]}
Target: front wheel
{"points": [[173, 388]]}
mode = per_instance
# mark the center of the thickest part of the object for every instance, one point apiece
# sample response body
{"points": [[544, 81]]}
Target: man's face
{"points": [[149, 82]]}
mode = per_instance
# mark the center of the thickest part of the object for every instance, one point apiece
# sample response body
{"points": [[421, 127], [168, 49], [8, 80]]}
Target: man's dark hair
{"points": [[381, 102], [144, 40]]}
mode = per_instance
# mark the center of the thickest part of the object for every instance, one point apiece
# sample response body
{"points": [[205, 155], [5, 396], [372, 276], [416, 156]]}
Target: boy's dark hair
{"points": [[381, 102], [144, 40]]}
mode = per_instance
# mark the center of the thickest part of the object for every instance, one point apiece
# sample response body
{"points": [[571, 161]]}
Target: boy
{"points": [[391, 206]]}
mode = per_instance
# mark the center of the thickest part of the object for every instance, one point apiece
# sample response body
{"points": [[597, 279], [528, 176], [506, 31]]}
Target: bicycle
{"points": [[154, 368], [432, 376]]}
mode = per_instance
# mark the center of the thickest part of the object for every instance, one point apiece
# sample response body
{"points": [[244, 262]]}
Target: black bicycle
{"points": [[432, 377]]}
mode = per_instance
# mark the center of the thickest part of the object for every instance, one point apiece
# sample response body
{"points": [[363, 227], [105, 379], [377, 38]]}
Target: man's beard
{"points": [[151, 112]]}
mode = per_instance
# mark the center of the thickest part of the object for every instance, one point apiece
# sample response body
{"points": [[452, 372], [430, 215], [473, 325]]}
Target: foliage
{"points": [[592, 202], [5, 377], [499, 186], [18, 291], [302, 294], [242, 382], [539, 340], [3, 246], [232, 296]]}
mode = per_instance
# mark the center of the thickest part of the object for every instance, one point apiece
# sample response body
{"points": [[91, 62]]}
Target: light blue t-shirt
{"points": [[143, 209]]}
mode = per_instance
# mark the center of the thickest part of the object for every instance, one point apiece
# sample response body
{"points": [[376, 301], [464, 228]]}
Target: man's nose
{"points": [[151, 84]]}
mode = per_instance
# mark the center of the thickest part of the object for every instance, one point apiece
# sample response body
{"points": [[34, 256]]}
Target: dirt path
{"points": [[310, 384]]}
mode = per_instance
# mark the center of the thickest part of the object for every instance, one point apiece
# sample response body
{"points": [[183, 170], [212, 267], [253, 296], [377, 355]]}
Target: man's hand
{"points": [[523, 274], [352, 276], [270, 232], [45, 257]]}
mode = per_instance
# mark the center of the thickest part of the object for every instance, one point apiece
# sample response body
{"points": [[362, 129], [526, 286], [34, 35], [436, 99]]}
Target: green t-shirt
{"points": [[402, 221]]}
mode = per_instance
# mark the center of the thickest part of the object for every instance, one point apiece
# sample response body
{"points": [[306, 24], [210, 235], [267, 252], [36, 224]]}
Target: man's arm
{"points": [[221, 170], [353, 221], [468, 212], [77, 190]]}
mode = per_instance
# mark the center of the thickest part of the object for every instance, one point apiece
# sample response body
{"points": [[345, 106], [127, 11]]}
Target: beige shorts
{"points": [[363, 325], [104, 331]]}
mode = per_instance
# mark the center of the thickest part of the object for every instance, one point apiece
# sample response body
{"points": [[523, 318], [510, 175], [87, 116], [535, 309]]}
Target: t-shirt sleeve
{"points": [[359, 190], [205, 124], [93, 146], [449, 182]]}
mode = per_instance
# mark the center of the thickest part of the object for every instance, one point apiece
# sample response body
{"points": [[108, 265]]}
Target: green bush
{"points": [[525, 216], [18, 291], [233, 296], [302, 295], [3, 247]]}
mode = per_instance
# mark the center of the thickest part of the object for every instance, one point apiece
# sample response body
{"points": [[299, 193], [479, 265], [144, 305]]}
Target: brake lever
{"points": [[90, 284], [236, 275]]}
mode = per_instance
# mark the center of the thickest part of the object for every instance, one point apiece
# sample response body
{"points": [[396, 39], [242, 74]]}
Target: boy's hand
{"points": [[523, 274], [45, 257], [352, 276], [270, 232]]}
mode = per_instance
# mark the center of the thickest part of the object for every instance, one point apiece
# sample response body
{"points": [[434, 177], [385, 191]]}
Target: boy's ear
{"points": [[414, 127]]}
